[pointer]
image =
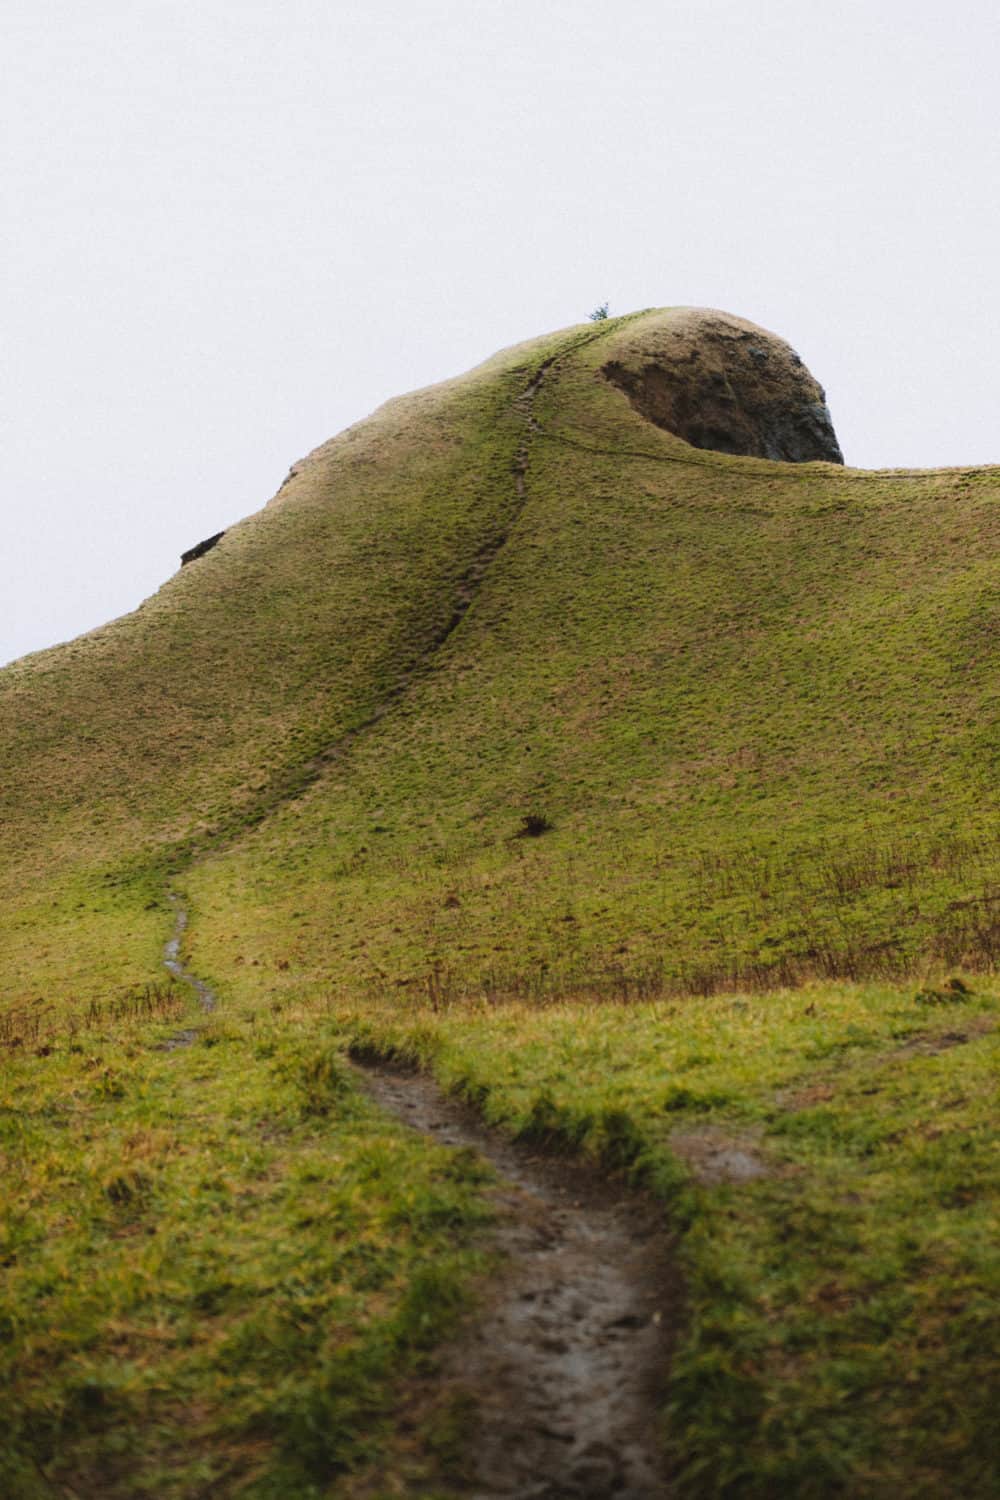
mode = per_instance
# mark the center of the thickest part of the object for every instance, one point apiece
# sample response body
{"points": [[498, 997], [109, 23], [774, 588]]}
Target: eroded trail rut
{"points": [[566, 1364], [172, 963]]}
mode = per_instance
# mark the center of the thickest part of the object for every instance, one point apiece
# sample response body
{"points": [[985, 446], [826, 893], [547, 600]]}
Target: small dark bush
{"points": [[954, 993], [533, 825]]}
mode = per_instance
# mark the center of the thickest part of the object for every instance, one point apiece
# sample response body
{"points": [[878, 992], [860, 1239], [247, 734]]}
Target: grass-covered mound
{"points": [[511, 695], [752, 702]]}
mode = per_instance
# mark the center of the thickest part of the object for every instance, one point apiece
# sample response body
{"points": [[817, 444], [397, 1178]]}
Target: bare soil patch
{"points": [[716, 1155], [929, 1046]]}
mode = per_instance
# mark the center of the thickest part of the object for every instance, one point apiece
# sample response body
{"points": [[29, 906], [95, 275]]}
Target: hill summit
{"points": [[722, 383]]}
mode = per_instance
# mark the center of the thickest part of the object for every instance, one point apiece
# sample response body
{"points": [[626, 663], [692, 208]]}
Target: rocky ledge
{"points": [[722, 383]]}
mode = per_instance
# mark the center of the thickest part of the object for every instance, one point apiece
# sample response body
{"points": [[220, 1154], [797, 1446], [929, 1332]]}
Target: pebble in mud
{"points": [[566, 1363]]}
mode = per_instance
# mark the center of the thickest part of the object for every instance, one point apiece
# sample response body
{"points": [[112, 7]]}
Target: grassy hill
{"points": [[519, 736]]}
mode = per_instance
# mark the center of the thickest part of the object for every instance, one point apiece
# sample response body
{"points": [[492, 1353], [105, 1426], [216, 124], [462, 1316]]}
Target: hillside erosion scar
{"points": [[566, 1364]]}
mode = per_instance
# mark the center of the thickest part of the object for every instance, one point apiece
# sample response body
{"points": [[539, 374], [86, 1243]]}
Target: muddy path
{"points": [[565, 1364], [564, 1360], [172, 963]]}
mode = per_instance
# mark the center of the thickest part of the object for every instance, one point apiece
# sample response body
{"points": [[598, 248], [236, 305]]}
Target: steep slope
{"points": [[125, 751], [756, 701]]}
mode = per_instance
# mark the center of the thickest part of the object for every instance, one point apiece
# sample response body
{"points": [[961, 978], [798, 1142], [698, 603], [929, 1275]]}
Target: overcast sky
{"points": [[232, 227]]}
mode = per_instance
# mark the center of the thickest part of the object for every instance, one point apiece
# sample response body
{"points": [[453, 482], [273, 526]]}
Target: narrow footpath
{"points": [[172, 963], [566, 1362]]}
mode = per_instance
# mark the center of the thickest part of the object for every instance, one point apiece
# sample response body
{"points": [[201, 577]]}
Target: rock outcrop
{"points": [[722, 383], [201, 548]]}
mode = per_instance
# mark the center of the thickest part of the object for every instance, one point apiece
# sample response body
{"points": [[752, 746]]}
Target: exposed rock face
{"points": [[720, 382], [201, 548]]}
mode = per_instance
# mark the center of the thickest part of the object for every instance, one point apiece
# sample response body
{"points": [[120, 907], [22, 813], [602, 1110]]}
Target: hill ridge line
{"points": [[472, 580], [791, 470]]}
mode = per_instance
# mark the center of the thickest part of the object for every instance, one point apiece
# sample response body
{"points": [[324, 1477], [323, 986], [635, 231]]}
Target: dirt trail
{"points": [[172, 963], [566, 1364]]}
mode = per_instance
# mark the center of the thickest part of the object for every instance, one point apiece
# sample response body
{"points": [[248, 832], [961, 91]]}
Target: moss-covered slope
{"points": [[510, 702], [756, 701]]}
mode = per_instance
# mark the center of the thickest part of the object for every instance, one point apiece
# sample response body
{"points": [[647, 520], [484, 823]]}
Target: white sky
{"points": [[232, 227]]}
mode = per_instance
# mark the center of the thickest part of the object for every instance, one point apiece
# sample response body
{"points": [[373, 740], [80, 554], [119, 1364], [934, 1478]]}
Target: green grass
{"points": [[221, 1262], [218, 1261], [756, 702], [755, 705], [842, 1318]]}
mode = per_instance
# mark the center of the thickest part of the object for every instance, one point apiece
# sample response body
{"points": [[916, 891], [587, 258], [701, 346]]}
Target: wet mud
{"points": [[172, 963], [565, 1366]]}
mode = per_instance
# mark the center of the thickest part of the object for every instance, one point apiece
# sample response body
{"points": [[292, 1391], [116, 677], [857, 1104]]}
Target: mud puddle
{"points": [[566, 1364]]}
